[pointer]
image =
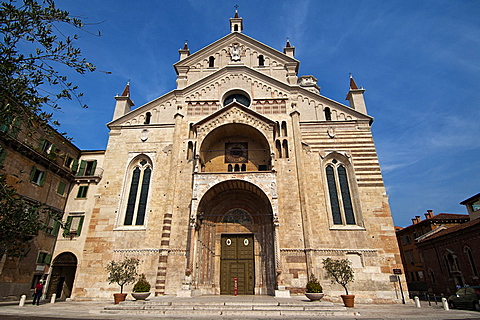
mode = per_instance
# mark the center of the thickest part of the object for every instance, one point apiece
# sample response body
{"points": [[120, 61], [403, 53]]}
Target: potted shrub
{"points": [[122, 273], [314, 289], [141, 289], [340, 271]]}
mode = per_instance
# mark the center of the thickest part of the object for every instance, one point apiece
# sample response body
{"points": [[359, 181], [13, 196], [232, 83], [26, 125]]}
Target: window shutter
{"points": [[66, 230], [61, 188], [94, 166], [32, 173], [42, 179], [41, 143], [56, 226], [81, 171], [48, 258], [80, 224], [75, 165]]}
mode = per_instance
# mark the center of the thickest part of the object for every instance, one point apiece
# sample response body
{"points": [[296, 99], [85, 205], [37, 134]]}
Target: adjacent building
{"points": [[408, 239], [40, 164], [451, 257]]}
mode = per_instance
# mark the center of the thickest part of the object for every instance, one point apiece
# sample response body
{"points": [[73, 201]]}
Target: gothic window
{"points": [[211, 62], [339, 193], [138, 193]]}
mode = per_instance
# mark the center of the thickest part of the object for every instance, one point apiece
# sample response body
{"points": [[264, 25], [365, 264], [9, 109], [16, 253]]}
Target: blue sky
{"points": [[419, 62]]}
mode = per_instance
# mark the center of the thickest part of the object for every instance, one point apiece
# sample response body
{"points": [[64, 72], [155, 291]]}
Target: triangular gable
{"points": [[277, 57]]}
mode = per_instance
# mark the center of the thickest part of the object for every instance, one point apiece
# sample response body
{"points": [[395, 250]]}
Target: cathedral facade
{"points": [[242, 174]]}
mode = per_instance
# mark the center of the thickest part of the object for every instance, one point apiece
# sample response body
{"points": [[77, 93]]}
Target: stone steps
{"points": [[204, 307]]}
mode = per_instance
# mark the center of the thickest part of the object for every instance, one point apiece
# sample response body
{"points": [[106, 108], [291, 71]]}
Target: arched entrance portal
{"points": [[63, 275], [234, 240]]}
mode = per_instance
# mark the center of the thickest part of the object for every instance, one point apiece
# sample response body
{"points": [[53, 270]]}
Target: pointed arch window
{"points": [[339, 192], [138, 193]]}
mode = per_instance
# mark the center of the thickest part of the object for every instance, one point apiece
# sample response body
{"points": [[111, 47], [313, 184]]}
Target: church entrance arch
{"points": [[64, 268], [234, 240]]}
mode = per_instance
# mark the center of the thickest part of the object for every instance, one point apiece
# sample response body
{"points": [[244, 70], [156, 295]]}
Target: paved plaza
{"points": [[228, 307]]}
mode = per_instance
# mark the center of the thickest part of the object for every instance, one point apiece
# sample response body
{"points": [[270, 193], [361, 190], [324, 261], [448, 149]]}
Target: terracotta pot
{"points": [[314, 296], [348, 300], [119, 297], [140, 295]]}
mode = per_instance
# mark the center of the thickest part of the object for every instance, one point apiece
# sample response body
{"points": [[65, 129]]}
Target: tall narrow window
{"points": [[347, 200], [339, 192], [332, 191], [138, 193], [211, 62]]}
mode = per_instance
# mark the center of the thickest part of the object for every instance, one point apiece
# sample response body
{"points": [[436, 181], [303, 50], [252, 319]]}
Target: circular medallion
{"points": [[246, 242], [229, 242], [236, 153]]}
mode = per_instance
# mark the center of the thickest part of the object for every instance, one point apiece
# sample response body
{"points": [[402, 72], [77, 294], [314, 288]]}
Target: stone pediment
{"points": [[234, 49], [234, 113]]}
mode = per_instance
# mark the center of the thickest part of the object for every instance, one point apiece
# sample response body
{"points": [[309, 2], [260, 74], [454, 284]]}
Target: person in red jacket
{"points": [[37, 293]]}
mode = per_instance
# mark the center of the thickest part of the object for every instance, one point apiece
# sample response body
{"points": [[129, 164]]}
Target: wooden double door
{"points": [[237, 262]]}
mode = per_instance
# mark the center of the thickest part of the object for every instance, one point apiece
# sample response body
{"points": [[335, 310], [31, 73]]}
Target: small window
{"points": [[87, 168], [328, 114], [61, 188], [476, 205], [235, 27], [68, 161], [261, 61], [211, 62], [148, 117], [37, 176], [82, 192]]}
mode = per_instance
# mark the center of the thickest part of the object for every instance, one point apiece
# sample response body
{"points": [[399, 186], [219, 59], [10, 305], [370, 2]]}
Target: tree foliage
{"points": [[19, 222], [33, 50], [339, 271], [122, 272]]}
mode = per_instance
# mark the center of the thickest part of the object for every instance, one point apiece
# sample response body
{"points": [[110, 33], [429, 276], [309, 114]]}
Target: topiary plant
{"points": [[142, 284], [313, 286]]}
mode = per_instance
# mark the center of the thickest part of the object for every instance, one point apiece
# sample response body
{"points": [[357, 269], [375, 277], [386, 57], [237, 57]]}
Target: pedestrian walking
{"points": [[37, 293]]}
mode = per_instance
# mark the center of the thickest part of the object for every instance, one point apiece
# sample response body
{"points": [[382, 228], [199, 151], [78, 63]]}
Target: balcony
{"points": [[89, 176]]}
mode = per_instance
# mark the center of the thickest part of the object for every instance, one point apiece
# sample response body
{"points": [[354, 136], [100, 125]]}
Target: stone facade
{"points": [[243, 172]]}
